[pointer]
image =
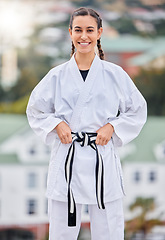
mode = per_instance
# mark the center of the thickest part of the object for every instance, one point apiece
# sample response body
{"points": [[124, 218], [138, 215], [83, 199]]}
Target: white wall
{"points": [[14, 194], [144, 188]]}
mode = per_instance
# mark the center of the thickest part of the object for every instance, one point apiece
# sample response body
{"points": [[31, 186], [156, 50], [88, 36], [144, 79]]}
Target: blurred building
{"points": [[153, 2], [133, 52], [23, 173], [9, 68], [143, 163], [23, 178], [154, 57]]}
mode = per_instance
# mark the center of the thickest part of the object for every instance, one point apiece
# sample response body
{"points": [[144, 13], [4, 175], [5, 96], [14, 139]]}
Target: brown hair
{"points": [[88, 12]]}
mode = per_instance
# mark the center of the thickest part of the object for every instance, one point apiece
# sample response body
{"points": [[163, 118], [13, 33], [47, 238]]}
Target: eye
{"points": [[77, 30], [90, 30]]}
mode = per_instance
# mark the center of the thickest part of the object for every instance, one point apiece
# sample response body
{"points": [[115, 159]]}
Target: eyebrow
{"points": [[80, 27]]}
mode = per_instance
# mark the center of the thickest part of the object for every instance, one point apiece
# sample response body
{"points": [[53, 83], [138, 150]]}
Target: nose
{"points": [[84, 35]]}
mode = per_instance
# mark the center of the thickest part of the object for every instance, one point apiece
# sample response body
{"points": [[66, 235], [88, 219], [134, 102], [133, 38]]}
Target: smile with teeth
{"points": [[84, 44]]}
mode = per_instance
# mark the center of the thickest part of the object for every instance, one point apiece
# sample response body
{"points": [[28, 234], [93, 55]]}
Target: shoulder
{"points": [[53, 73], [111, 67], [120, 76], [48, 82], [115, 71], [57, 69]]}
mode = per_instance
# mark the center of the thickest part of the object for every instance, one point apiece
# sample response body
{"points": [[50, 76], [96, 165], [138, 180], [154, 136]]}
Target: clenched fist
{"points": [[104, 134], [64, 132]]}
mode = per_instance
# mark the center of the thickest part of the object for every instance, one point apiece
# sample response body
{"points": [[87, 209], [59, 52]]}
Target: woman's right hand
{"points": [[64, 132]]}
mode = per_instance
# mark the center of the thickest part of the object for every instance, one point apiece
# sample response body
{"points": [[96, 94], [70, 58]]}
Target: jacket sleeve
{"points": [[133, 113], [41, 110]]}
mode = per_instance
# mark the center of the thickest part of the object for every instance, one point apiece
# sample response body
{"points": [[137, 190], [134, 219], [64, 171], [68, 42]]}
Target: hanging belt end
{"points": [[71, 219]]}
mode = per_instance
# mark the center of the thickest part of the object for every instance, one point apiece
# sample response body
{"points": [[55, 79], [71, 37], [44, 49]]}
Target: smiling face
{"points": [[84, 33]]}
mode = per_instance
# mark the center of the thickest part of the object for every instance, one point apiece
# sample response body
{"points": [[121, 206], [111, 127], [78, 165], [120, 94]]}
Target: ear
{"points": [[70, 32], [100, 30]]}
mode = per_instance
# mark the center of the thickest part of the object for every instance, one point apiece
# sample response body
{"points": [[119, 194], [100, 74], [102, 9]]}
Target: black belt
{"points": [[84, 139]]}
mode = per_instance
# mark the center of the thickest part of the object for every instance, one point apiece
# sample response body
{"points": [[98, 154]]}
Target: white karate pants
{"points": [[107, 224]]}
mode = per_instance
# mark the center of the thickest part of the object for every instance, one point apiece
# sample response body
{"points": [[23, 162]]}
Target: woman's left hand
{"points": [[104, 134]]}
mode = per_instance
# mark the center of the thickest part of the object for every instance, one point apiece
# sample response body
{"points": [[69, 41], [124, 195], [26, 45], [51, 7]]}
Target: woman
{"points": [[86, 108]]}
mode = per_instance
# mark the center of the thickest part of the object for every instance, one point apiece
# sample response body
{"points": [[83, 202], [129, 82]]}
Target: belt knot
{"points": [[84, 139]]}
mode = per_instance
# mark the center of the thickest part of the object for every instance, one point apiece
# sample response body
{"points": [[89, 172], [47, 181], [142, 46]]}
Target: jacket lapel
{"points": [[85, 87]]}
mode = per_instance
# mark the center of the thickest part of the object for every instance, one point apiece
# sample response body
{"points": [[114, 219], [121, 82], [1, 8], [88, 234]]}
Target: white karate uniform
{"points": [[105, 224], [62, 95]]}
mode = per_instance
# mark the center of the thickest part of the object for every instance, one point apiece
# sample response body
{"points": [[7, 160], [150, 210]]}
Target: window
{"points": [[137, 176], [46, 206], [163, 148], [32, 180], [152, 176], [47, 150], [32, 150], [46, 176], [31, 206], [86, 208]]}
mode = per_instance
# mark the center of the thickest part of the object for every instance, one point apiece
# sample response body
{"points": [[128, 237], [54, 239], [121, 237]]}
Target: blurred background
{"points": [[33, 39]]}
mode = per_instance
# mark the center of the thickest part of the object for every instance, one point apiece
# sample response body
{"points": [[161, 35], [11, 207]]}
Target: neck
{"points": [[84, 61]]}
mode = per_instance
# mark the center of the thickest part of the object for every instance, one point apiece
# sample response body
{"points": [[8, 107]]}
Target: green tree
{"points": [[142, 223], [159, 25], [32, 68], [26, 82], [151, 84], [2, 93]]}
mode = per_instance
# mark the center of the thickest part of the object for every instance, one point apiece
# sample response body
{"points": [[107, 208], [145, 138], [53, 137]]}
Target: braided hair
{"points": [[73, 49], [88, 12]]}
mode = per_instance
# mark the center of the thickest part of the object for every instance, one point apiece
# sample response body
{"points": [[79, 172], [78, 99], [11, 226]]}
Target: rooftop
{"points": [[18, 143], [149, 146], [156, 51], [11, 124], [126, 43], [149, 142], [150, 48]]}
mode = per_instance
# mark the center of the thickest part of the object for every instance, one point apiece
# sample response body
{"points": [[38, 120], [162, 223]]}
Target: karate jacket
{"points": [[62, 95]]}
